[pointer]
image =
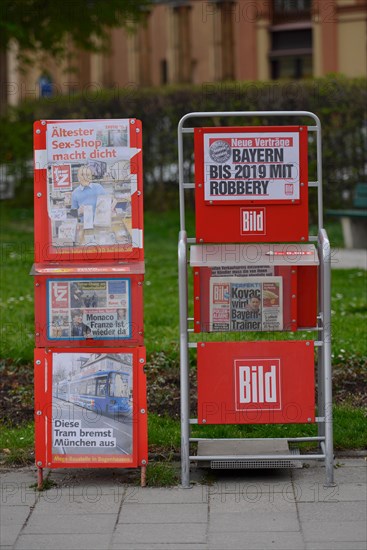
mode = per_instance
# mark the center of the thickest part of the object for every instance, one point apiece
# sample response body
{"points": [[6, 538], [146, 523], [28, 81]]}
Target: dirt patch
{"points": [[350, 381], [16, 393]]}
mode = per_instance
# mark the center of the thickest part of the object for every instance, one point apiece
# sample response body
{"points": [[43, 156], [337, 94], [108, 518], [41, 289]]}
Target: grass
{"points": [[349, 428], [16, 295], [16, 445], [161, 327], [160, 290], [164, 433], [162, 474], [349, 313]]}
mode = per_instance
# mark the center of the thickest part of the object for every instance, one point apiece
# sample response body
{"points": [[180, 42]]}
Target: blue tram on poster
{"points": [[106, 392]]}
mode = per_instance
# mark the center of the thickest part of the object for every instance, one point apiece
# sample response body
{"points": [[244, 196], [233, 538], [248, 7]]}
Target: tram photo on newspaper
{"points": [[92, 404]]}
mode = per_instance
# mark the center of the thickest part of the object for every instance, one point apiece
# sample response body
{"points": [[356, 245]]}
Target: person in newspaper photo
{"points": [[253, 306], [94, 300], [78, 328], [87, 192], [76, 295], [121, 314]]}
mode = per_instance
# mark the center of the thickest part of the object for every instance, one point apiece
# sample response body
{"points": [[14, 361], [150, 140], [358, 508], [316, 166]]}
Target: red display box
{"points": [[251, 184], [267, 287], [88, 185], [256, 382], [90, 408], [88, 305]]}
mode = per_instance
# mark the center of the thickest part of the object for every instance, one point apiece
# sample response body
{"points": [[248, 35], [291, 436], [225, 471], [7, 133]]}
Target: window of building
{"points": [[291, 53], [292, 67], [286, 11], [223, 45], [180, 63], [291, 39], [164, 71]]}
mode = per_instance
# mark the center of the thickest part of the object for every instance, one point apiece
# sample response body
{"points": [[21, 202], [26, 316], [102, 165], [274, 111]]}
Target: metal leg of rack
{"points": [[184, 361]]}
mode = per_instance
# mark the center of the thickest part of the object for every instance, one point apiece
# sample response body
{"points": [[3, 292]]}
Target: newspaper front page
{"points": [[91, 178], [246, 304], [93, 308]]}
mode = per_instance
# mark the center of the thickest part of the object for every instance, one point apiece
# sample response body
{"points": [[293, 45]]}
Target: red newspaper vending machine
{"points": [[90, 387], [259, 280]]}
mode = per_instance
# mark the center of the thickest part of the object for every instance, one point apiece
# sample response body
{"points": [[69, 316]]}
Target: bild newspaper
{"points": [[246, 304]]}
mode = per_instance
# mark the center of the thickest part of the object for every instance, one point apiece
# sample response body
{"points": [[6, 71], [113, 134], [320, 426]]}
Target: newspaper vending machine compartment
{"points": [[89, 305], [254, 287]]}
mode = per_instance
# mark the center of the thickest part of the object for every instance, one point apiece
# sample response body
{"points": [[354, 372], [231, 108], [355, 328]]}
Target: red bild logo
{"points": [[220, 293], [257, 384], [253, 221]]}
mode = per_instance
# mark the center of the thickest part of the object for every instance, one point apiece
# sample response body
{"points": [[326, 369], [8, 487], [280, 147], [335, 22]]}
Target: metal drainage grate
{"points": [[256, 463]]}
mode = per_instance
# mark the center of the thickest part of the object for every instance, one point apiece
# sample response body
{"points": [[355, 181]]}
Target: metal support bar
{"points": [[325, 289], [319, 174], [184, 359], [289, 439]]}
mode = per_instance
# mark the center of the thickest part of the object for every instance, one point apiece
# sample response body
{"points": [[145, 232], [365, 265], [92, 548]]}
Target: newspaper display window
{"points": [[89, 177], [89, 403], [89, 308], [254, 180], [88, 304], [101, 384], [254, 287], [252, 166]]}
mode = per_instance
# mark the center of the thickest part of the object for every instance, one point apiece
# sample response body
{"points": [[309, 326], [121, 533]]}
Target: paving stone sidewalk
{"points": [[248, 509]]}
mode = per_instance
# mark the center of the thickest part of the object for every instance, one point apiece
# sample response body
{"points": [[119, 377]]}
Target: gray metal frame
{"points": [[325, 418]]}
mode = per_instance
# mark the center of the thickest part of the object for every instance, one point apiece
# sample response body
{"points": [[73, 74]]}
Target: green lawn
{"points": [[161, 318], [16, 295], [160, 290]]}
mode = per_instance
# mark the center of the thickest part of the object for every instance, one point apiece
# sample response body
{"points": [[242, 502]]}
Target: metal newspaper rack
{"points": [[225, 456]]}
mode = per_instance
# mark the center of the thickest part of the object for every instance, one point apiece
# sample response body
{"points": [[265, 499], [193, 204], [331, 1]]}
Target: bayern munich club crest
{"points": [[220, 151]]}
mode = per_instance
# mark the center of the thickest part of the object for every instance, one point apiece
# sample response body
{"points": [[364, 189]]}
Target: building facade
{"points": [[201, 41]]}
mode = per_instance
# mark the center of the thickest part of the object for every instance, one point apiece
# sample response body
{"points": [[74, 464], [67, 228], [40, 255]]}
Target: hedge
{"points": [[338, 101]]}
